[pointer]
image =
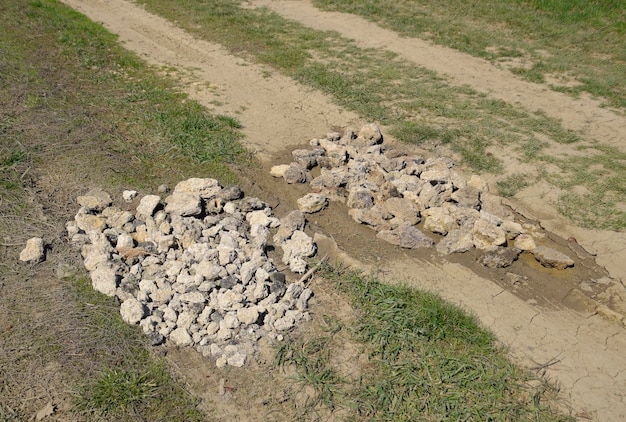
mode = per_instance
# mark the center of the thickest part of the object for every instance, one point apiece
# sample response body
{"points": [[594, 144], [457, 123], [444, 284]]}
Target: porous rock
{"points": [[95, 200], [499, 257], [406, 236], [196, 275], [312, 203], [34, 251]]}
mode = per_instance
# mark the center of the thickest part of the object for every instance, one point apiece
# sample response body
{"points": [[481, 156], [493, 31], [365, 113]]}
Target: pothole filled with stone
{"points": [[393, 193], [192, 268]]}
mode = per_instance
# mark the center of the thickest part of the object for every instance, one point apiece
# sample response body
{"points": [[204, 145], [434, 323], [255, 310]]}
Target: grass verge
{"points": [[427, 360], [419, 107], [78, 111]]}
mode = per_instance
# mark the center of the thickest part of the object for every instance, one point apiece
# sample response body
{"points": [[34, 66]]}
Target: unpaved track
{"points": [[461, 69], [586, 350]]}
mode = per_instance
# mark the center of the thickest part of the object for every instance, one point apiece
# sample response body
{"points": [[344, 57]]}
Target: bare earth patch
{"points": [[550, 322]]}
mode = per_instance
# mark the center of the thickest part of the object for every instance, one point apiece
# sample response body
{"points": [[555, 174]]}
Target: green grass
{"points": [[513, 184], [139, 116], [428, 360], [585, 40], [125, 382]]}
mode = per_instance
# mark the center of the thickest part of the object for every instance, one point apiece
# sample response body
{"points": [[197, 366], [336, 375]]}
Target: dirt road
{"points": [[580, 349]]}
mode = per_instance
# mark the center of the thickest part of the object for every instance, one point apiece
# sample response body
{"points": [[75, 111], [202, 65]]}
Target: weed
{"points": [[512, 184]]}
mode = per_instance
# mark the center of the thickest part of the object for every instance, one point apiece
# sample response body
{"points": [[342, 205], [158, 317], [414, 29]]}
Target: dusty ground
{"points": [[546, 318]]}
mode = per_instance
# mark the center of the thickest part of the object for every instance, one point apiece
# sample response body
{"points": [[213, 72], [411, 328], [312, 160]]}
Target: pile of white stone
{"points": [[393, 192], [192, 269]]}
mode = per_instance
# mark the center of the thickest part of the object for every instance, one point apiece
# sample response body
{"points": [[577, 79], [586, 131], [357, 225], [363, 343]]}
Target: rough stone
{"points": [[438, 220], [499, 257], [104, 279], [312, 203], [279, 171], [406, 236], [307, 158], [525, 242], [295, 173], [34, 251], [95, 200], [89, 223], [237, 360], [132, 311], [551, 258], [487, 234], [360, 198], [147, 206], [298, 247], [199, 187], [183, 204], [129, 195], [456, 241], [289, 224], [181, 337]]}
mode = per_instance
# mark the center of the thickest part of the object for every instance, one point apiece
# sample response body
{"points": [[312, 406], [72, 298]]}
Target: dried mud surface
{"points": [[574, 336]]}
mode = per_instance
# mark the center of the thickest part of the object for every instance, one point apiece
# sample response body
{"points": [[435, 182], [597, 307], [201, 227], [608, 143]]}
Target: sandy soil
{"points": [[547, 320]]}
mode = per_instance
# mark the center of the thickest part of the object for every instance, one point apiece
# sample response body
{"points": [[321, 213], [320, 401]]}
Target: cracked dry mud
{"points": [[544, 317]]}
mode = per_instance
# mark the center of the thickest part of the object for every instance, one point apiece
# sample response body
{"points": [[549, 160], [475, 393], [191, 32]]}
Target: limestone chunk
{"points": [[406, 236], [95, 200], [147, 206], [34, 251], [132, 311], [181, 337], [552, 258], [312, 203]]}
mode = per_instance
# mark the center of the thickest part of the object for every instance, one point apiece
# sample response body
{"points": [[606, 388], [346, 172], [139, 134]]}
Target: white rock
{"points": [[248, 315], [124, 240], [183, 204], [486, 234], [284, 323], [237, 360], [279, 171], [296, 249], [129, 195], [438, 220], [104, 279], [200, 187], [132, 311], [34, 250], [147, 205], [95, 199], [90, 223], [181, 337], [230, 321], [185, 319], [247, 271], [148, 286], [193, 297]]}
